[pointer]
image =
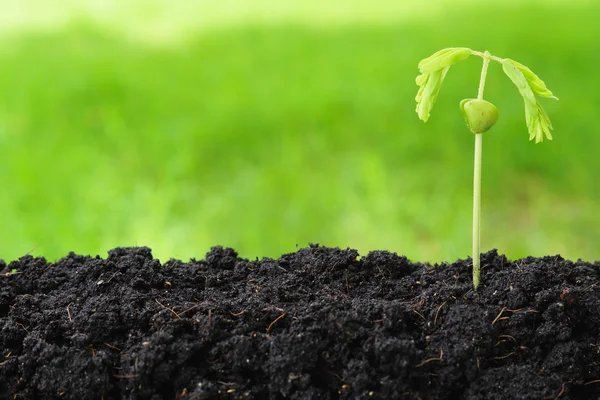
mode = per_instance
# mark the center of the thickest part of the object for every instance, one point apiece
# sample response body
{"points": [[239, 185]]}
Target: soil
{"points": [[320, 323]]}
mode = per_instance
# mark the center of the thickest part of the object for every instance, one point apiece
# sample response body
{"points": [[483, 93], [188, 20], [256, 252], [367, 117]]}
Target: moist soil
{"points": [[320, 323]]}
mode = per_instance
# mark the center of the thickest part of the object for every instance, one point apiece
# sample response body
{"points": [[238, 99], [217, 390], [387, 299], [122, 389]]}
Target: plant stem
{"points": [[477, 184], [477, 209], [486, 62]]}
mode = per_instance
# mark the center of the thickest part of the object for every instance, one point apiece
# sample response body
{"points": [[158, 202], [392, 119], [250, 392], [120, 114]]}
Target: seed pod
{"points": [[480, 115]]}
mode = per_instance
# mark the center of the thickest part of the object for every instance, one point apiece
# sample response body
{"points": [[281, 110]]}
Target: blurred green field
{"points": [[265, 136]]}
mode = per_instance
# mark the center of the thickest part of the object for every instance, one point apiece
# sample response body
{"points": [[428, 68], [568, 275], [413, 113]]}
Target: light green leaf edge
{"points": [[433, 71], [537, 120], [444, 58], [537, 85], [428, 91]]}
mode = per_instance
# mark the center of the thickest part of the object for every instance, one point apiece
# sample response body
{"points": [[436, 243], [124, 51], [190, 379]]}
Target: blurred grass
{"points": [[265, 136]]}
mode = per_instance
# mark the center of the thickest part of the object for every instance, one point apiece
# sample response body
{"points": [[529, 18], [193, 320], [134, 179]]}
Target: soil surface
{"points": [[319, 323]]}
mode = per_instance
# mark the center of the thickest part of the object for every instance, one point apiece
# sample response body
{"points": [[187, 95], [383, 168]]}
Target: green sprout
{"points": [[481, 115]]}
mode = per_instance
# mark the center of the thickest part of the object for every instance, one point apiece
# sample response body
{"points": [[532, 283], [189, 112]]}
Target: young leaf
{"points": [[433, 71], [537, 120], [537, 85], [542, 126], [444, 58], [429, 87]]}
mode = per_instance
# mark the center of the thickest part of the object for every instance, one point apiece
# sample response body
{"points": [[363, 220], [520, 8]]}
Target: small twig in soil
{"points": [[592, 382], [189, 309], [209, 319], [112, 347], [437, 313], [419, 314], [10, 273], [274, 322], [465, 295], [22, 326], [562, 391], [518, 266], [7, 357], [91, 347], [125, 376], [503, 357], [431, 359], [69, 312], [110, 279], [347, 285], [590, 286], [167, 308], [227, 383], [238, 314], [271, 308], [498, 317], [506, 336], [336, 375]]}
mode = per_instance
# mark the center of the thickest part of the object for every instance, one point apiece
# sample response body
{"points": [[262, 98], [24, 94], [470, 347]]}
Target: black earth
{"points": [[320, 323]]}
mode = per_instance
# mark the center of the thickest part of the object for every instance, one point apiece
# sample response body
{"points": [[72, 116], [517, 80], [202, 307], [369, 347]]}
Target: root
{"points": [[507, 337], [503, 357], [562, 391], [125, 376], [431, 359], [499, 316], [274, 322], [167, 308], [419, 314], [437, 313]]}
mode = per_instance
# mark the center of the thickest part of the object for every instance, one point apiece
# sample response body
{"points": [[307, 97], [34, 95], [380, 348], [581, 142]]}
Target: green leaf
{"points": [[537, 85], [429, 88], [433, 71], [537, 120], [444, 58], [542, 126]]}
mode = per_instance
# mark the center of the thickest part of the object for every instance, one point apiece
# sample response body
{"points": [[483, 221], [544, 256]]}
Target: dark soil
{"points": [[320, 323]]}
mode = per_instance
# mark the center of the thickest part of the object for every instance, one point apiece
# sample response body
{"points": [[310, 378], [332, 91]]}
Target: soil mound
{"points": [[320, 323]]}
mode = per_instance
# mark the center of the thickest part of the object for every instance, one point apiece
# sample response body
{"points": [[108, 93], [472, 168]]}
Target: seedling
{"points": [[481, 115]]}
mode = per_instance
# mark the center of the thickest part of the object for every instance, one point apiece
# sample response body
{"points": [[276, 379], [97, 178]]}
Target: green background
{"points": [[266, 127]]}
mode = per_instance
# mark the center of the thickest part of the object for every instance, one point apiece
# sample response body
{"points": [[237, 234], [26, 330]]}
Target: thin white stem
{"points": [[487, 55], [477, 183], [486, 63], [477, 209]]}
